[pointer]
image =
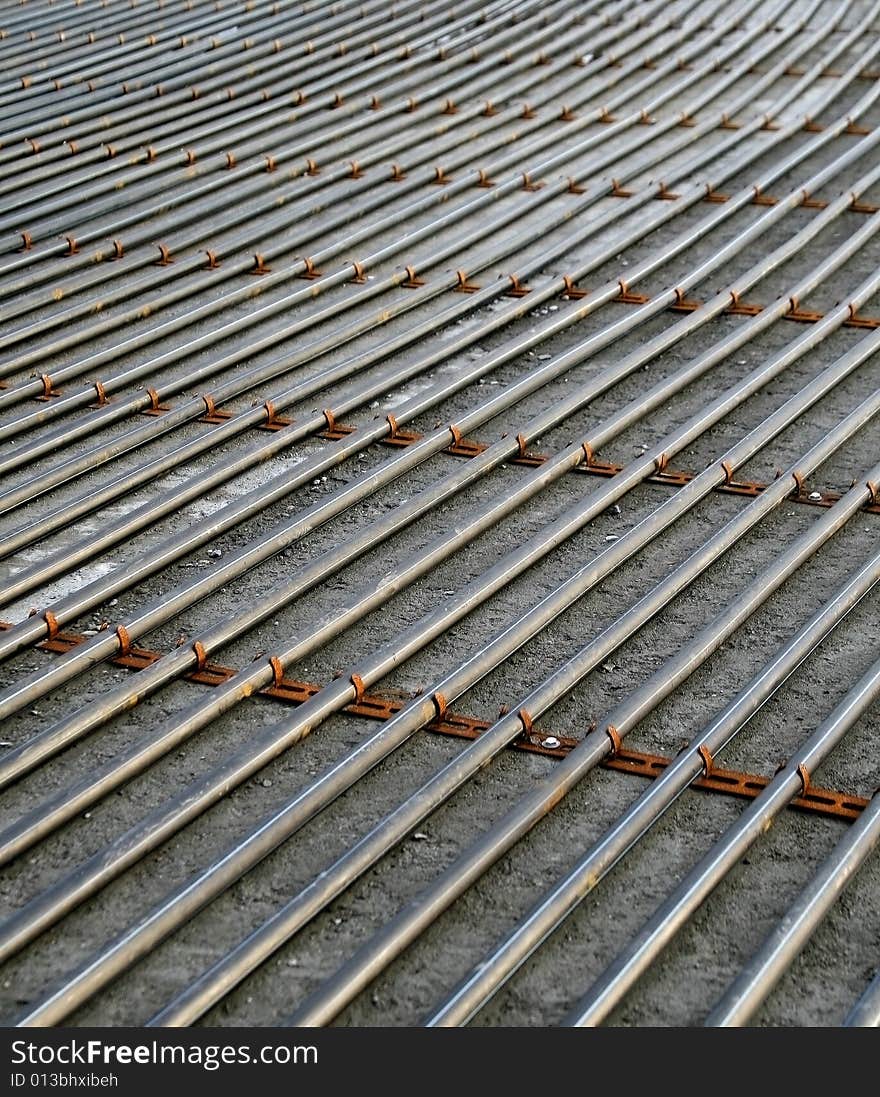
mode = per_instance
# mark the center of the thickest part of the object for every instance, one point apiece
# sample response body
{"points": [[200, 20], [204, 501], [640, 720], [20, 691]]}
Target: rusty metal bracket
{"points": [[572, 291], [49, 391], [311, 272], [684, 304], [738, 308], [463, 285], [629, 298], [213, 414], [413, 281], [155, 408], [516, 287]]}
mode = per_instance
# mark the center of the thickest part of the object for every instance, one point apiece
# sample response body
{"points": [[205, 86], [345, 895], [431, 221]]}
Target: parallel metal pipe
{"points": [[32, 919], [54, 519], [112, 413], [324, 1004], [100, 646], [370, 144], [702, 880], [549, 913], [184, 66], [511, 184], [761, 974], [46, 816], [253, 185], [29, 191]]}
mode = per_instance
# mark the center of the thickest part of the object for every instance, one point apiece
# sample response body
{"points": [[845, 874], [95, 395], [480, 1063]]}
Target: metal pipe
{"points": [[16, 762], [488, 196], [363, 140], [184, 66], [761, 974], [88, 396], [866, 1012], [28, 189], [253, 184], [89, 203]]}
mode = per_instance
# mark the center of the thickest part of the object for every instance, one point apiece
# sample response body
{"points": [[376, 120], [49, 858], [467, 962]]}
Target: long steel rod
{"points": [[127, 526], [92, 361], [238, 120], [196, 405], [866, 1012], [295, 182], [254, 184], [325, 1002]]}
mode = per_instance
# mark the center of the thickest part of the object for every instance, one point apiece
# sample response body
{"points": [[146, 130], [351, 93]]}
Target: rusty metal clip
{"points": [[571, 290], [628, 297], [413, 281]]}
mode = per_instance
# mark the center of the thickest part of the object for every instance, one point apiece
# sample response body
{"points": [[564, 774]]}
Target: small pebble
{"points": [[420, 836], [612, 537]]}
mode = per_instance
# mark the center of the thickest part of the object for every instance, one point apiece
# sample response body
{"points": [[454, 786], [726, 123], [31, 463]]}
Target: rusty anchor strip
{"points": [[383, 706]]}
